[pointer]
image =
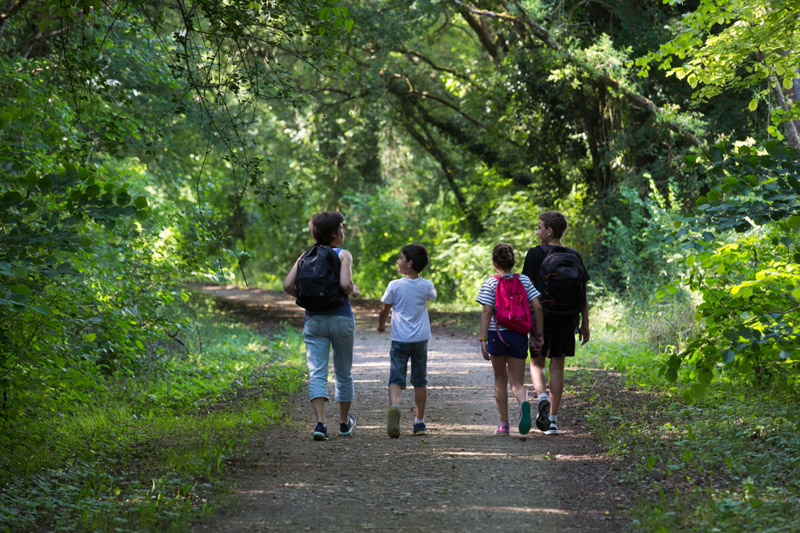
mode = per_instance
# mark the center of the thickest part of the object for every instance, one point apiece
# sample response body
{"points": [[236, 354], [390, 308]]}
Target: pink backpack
{"points": [[511, 301]]}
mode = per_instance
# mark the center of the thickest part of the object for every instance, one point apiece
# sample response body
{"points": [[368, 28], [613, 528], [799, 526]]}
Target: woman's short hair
{"points": [[325, 226], [503, 255]]}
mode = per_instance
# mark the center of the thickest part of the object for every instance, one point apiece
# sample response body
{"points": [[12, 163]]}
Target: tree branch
{"points": [[638, 100]]}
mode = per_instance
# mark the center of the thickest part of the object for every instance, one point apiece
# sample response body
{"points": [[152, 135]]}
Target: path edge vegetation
{"points": [[132, 162]]}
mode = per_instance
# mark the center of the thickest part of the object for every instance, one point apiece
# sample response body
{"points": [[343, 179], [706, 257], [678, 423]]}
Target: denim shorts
{"points": [[515, 345], [400, 353]]}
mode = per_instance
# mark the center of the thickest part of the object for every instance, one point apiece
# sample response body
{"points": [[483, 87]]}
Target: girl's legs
{"points": [[499, 365], [516, 377]]}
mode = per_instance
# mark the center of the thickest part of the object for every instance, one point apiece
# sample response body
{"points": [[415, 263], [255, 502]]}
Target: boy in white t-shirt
{"points": [[407, 299]]}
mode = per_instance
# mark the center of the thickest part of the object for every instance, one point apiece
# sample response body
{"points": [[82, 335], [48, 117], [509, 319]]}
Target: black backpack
{"points": [[317, 282], [563, 275]]}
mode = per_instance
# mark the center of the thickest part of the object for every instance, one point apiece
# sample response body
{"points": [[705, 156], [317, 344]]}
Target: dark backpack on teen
{"points": [[317, 282], [511, 303], [564, 278]]}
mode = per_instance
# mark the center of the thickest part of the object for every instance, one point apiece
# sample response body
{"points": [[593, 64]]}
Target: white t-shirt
{"points": [[409, 300], [486, 296]]}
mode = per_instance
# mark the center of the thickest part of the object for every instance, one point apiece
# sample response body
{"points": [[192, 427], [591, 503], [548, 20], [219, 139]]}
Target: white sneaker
{"points": [[553, 428]]}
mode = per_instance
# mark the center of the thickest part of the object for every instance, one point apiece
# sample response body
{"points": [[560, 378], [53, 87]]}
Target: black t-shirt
{"points": [[533, 269]]}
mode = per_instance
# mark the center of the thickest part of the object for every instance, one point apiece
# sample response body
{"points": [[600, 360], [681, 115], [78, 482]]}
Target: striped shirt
{"points": [[486, 296]]}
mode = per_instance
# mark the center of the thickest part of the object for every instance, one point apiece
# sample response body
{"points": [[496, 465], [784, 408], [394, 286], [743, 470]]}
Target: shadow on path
{"points": [[459, 477]]}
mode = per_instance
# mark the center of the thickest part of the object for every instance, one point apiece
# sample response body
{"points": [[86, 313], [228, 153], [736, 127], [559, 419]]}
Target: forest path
{"points": [[459, 477]]}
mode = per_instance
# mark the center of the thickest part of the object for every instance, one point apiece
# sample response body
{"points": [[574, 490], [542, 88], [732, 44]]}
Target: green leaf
{"points": [[41, 309], [788, 83], [348, 25], [90, 337], [705, 375], [796, 294], [140, 202], [672, 374], [753, 104], [728, 356], [22, 290], [698, 390]]}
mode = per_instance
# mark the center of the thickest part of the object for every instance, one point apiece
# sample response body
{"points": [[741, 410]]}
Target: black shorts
{"points": [[559, 336]]}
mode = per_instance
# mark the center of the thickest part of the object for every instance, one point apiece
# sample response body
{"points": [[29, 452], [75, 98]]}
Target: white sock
{"points": [[418, 420], [544, 396], [554, 418]]}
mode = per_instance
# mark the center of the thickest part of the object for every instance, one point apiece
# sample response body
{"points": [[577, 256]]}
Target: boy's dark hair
{"points": [[418, 255], [503, 255], [325, 225], [556, 221]]}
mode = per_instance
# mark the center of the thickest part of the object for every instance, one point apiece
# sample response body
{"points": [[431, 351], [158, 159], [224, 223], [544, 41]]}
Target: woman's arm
{"points": [[346, 275], [288, 283]]}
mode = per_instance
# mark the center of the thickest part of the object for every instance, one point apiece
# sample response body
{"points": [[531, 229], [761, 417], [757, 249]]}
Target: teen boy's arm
{"points": [[583, 332]]}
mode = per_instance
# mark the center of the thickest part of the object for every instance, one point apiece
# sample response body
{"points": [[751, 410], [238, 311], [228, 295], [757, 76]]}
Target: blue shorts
{"points": [[400, 353], [515, 345]]}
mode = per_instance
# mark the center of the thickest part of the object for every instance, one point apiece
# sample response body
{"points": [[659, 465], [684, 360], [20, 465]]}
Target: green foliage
{"points": [[152, 447], [635, 252], [746, 271], [734, 44], [714, 465]]}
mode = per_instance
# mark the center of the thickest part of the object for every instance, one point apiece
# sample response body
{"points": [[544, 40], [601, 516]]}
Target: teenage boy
{"points": [[559, 329], [407, 300]]}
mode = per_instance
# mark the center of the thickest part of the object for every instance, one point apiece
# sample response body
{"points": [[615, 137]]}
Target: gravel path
{"points": [[458, 477]]}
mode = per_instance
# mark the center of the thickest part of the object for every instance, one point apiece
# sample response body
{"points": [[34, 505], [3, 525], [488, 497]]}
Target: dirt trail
{"points": [[458, 477]]}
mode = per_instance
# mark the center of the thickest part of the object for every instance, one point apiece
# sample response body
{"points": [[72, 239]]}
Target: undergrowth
{"points": [[148, 451], [730, 461]]}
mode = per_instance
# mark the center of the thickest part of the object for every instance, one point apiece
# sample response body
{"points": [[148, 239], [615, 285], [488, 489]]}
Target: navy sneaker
{"points": [[419, 429], [320, 432], [346, 428], [543, 418]]}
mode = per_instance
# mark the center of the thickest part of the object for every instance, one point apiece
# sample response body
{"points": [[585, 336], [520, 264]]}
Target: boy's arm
{"points": [[583, 332], [382, 316]]}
